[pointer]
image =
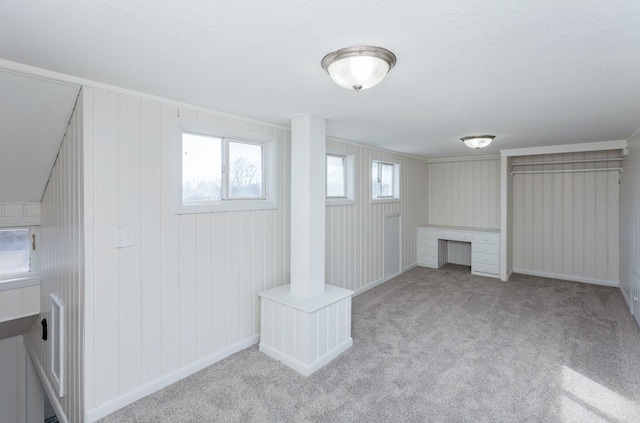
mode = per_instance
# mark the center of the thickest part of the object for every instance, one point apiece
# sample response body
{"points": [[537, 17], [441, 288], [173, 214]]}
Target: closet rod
{"points": [[619, 169], [615, 159]]}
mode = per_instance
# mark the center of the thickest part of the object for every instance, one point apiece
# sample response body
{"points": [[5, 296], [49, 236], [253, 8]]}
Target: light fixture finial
{"points": [[358, 68]]}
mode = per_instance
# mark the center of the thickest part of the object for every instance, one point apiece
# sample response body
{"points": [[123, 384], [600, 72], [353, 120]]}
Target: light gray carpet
{"points": [[438, 346]]}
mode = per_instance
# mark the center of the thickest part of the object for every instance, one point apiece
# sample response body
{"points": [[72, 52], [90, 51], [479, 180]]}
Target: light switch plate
{"points": [[123, 237]]}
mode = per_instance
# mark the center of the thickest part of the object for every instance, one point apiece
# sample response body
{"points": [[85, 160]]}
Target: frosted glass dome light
{"points": [[358, 68], [477, 141]]}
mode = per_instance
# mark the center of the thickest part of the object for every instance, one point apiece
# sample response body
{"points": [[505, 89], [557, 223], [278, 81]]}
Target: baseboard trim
{"points": [[53, 397], [626, 299], [302, 368], [568, 278], [109, 407], [381, 281]]}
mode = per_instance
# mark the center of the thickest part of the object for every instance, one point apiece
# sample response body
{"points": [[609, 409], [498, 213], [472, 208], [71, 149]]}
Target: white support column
{"points": [[308, 152], [306, 324]]}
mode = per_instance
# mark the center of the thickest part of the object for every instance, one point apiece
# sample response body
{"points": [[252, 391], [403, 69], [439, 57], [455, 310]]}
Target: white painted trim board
{"points": [[53, 397], [570, 278]]}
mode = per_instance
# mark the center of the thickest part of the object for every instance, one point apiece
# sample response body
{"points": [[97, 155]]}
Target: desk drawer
{"points": [[428, 251], [486, 268], [486, 248], [427, 242], [487, 238], [427, 261], [455, 236], [485, 258]]}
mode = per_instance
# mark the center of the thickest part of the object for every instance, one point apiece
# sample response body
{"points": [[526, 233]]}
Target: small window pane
{"points": [[374, 180], [201, 168], [15, 251], [386, 180], [245, 170], [336, 186]]}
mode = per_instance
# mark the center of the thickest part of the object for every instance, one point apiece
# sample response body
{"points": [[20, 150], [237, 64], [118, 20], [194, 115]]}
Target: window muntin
{"points": [[15, 251], [336, 176]]}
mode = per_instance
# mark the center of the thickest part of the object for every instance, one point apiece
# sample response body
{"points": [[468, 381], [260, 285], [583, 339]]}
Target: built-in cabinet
{"points": [[484, 243]]}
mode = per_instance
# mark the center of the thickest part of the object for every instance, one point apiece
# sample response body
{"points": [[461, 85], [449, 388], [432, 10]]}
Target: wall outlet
{"points": [[123, 237]]}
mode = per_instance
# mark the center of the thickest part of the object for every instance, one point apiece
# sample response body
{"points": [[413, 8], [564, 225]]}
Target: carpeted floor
{"points": [[438, 346]]}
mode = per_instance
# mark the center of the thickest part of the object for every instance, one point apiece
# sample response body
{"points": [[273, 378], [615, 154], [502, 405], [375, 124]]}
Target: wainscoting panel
{"points": [[354, 242], [566, 224], [186, 293], [464, 193]]}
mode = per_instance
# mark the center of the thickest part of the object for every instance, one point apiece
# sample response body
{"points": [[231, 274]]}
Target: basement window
{"points": [[17, 252], [385, 181], [340, 175], [224, 169]]}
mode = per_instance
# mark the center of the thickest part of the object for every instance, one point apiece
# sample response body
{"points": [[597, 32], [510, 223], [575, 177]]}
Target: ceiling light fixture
{"points": [[477, 141], [358, 68]]}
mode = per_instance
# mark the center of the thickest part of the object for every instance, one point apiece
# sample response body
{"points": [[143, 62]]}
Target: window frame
{"points": [[395, 197], [350, 177], [269, 168], [17, 279]]}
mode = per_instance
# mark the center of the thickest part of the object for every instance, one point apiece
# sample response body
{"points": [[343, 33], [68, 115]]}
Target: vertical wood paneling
{"points": [[354, 233], [464, 193], [629, 222], [188, 288], [13, 376], [62, 264], [150, 240], [566, 224]]}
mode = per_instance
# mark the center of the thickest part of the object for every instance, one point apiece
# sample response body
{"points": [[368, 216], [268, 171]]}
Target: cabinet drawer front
{"points": [[427, 242], [455, 236], [486, 248], [486, 268], [487, 238], [427, 261], [486, 258], [428, 251]]}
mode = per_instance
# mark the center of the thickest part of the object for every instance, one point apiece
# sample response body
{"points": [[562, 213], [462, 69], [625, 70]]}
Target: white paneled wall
{"points": [[630, 223], [354, 248], [464, 193], [185, 295], [13, 381], [566, 224], [19, 302], [19, 210], [61, 264]]}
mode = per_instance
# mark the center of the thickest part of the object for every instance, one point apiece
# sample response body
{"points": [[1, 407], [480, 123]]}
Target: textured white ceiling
{"points": [[33, 119], [531, 72]]}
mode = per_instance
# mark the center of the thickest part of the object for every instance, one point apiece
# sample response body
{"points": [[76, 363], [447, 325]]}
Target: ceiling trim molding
{"points": [[44, 74], [463, 159], [371, 147], [565, 148]]}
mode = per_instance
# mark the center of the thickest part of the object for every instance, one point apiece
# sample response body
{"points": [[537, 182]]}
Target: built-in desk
{"points": [[485, 247]]}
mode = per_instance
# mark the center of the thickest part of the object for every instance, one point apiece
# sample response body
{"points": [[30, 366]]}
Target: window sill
{"points": [[19, 282], [339, 202], [384, 200], [227, 206]]}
